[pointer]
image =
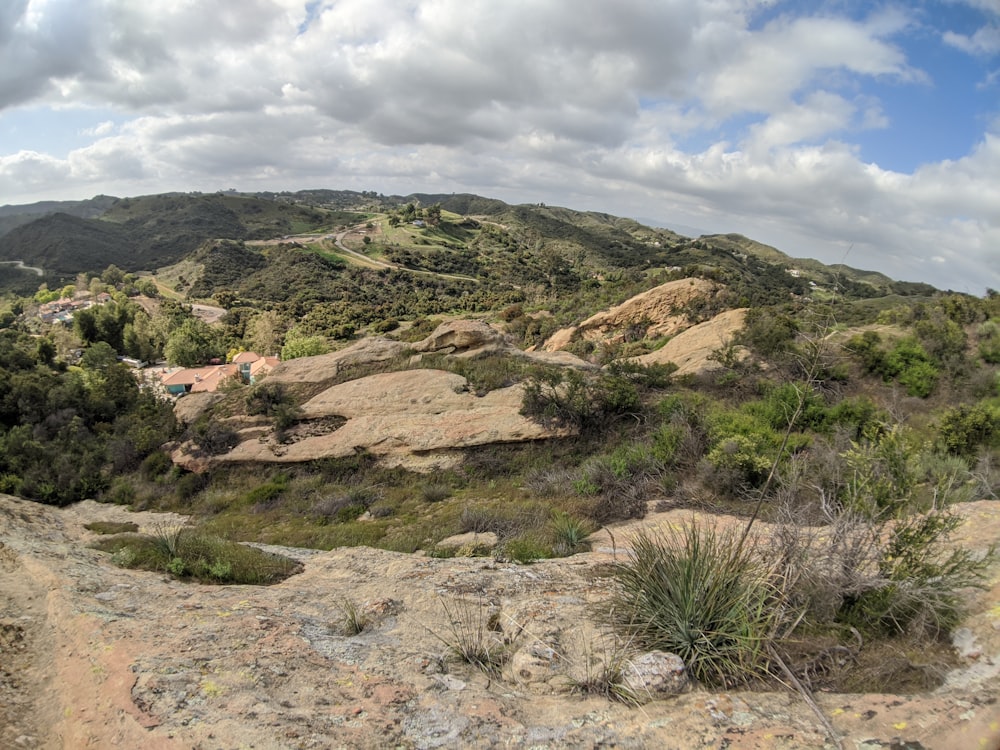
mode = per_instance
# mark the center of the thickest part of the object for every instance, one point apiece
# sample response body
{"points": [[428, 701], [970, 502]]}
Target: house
{"points": [[248, 366], [252, 366], [197, 379]]}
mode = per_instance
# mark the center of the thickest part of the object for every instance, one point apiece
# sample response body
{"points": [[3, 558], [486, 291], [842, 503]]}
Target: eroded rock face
{"points": [[326, 366], [657, 310], [462, 335], [692, 349], [193, 405], [419, 419]]}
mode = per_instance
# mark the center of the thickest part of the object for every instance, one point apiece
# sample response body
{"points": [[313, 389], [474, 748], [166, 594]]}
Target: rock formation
{"points": [[417, 418], [99, 656], [659, 311], [692, 349]]}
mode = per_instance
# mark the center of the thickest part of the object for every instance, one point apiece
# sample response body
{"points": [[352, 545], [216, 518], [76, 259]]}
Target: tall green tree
{"points": [[194, 343]]}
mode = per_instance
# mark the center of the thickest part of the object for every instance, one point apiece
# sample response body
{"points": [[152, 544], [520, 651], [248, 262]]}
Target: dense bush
{"points": [[964, 429], [574, 399]]}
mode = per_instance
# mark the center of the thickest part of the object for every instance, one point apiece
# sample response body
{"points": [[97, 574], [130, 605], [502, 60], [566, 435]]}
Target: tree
{"points": [[113, 275], [265, 332], [299, 345], [194, 343], [100, 356]]}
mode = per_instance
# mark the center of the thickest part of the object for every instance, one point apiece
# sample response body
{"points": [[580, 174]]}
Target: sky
{"points": [[857, 132]]}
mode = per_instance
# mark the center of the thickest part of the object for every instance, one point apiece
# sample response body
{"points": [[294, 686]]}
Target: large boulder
{"points": [[420, 419], [659, 311], [462, 336], [325, 366], [692, 349]]}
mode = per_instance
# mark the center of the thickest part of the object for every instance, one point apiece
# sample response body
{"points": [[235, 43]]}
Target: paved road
{"points": [[19, 264]]}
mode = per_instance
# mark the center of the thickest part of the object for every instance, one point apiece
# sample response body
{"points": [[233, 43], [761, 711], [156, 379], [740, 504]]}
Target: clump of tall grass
{"points": [[475, 635], [701, 594]]}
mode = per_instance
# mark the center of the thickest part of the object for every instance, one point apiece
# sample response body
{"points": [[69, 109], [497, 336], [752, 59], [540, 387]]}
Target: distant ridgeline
{"points": [[520, 246]]}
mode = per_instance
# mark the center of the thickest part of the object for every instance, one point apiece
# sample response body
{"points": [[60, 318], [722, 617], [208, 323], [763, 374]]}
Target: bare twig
{"points": [[807, 697]]}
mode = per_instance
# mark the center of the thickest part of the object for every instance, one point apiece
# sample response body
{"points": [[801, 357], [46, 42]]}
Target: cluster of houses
{"points": [[247, 366], [62, 310]]}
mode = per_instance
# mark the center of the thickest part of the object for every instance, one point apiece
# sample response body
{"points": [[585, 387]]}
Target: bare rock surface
{"points": [[414, 418], [193, 405], [462, 335], [659, 310], [417, 418], [326, 366], [691, 350], [118, 658]]}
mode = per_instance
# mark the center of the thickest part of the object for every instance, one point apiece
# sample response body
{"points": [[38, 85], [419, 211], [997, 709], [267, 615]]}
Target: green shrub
{"points": [[621, 482], [265, 397], [506, 521], [189, 485], [964, 429], [919, 582], [186, 553], [699, 594], [883, 472], [155, 465], [526, 548], [215, 438], [989, 341], [348, 506], [573, 399], [435, 492], [264, 495], [121, 492], [112, 527], [782, 401], [742, 449], [768, 332]]}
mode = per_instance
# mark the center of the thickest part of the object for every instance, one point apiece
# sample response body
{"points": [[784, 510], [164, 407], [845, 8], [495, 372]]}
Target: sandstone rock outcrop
{"points": [[691, 349], [326, 366], [110, 657], [657, 310], [463, 336], [419, 419]]}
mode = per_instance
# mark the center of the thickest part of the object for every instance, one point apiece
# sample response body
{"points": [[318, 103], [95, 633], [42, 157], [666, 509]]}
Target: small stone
{"points": [[964, 641], [656, 674]]}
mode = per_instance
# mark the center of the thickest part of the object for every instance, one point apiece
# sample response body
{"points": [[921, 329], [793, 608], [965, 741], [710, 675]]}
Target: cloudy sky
{"points": [[849, 131]]}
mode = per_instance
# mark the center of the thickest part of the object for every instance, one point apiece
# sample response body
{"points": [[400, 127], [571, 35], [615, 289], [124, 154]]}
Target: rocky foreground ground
{"points": [[92, 655]]}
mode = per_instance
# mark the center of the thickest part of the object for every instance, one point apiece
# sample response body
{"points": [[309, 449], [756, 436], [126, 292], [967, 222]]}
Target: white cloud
{"points": [[590, 104], [102, 128], [983, 41]]}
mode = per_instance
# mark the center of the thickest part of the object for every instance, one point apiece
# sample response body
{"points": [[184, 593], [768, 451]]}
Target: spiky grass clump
{"points": [[474, 635], [354, 619], [569, 534], [602, 672], [435, 492], [701, 594]]}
